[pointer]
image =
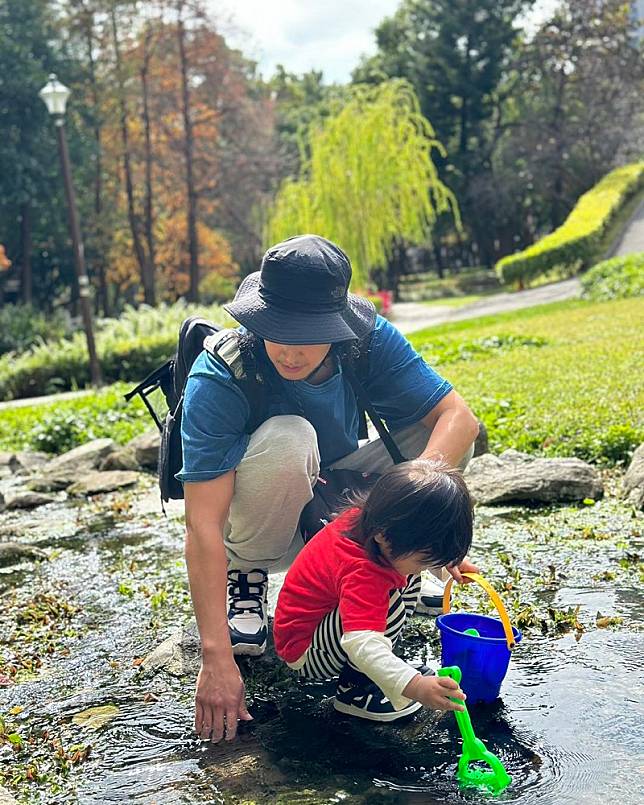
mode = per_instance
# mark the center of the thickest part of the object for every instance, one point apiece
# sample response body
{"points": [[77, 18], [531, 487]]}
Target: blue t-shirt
{"points": [[400, 385]]}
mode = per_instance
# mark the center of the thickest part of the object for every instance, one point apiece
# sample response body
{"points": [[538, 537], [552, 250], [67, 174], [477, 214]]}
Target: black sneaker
{"points": [[430, 599], [357, 695], [247, 615]]}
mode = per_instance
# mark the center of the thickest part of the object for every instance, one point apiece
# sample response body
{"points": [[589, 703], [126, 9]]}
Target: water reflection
{"points": [[568, 729]]}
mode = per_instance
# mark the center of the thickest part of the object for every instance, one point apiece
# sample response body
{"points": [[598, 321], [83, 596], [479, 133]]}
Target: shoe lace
{"points": [[245, 595]]}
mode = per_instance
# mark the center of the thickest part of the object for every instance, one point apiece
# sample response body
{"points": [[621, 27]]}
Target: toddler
{"points": [[346, 596]]}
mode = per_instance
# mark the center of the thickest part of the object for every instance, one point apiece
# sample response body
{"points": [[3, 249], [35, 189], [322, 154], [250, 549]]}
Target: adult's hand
{"points": [[220, 701], [464, 567]]}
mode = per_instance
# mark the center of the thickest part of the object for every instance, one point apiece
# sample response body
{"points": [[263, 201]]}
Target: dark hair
{"points": [[420, 506]]}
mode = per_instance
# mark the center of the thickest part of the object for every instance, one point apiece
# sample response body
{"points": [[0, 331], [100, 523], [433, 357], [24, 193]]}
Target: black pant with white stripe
{"points": [[325, 657]]}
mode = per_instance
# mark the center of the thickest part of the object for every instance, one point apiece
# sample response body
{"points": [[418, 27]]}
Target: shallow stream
{"points": [[74, 627]]}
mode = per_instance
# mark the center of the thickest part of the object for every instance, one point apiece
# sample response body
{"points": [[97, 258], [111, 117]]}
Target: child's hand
{"points": [[435, 692], [463, 567]]}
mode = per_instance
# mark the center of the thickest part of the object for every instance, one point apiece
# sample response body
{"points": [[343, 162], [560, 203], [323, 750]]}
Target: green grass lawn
{"points": [[59, 426], [560, 380]]}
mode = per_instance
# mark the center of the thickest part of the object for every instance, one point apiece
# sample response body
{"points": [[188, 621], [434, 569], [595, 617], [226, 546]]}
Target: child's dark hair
{"points": [[419, 507]]}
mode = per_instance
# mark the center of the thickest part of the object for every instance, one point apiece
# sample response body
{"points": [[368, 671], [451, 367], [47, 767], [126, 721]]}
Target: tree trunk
{"points": [[102, 299], [149, 215], [193, 244], [25, 253], [139, 251]]}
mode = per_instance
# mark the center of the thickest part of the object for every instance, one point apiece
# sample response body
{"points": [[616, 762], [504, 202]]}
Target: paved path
{"points": [[632, 239], [49, 398], [409, 316]]}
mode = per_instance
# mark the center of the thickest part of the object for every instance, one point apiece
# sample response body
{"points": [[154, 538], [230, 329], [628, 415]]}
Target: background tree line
{"points": [[179, 146]]}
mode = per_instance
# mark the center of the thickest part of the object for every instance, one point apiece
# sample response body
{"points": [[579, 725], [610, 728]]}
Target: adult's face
{"points": [[295, 362]]}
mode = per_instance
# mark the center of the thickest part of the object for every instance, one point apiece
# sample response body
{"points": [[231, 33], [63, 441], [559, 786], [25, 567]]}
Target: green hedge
{"points": [[618, 278], [129, 348], [578, 242]]}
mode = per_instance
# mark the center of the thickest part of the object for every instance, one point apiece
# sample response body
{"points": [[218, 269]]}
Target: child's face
{"points": [[410, 564], [298, 361]]}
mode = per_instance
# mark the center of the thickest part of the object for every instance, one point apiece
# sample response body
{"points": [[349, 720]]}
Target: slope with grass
{"points": [[560, 380]]}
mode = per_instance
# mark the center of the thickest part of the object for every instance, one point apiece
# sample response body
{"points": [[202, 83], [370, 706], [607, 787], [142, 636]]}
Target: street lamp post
{"points": [[55, 96]]}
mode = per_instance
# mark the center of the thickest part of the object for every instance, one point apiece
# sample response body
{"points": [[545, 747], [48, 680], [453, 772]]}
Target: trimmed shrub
{"points": [[578, 242], [129, 348], [618, 278]]}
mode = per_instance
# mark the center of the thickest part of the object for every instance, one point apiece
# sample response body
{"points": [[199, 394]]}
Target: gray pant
{"points": [[275, 480]]}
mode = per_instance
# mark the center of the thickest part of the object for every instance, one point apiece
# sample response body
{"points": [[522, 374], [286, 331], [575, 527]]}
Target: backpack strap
{"points": [[224, 348], [364, 402]]}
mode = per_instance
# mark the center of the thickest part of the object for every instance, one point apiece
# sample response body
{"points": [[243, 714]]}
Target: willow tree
{"points": [[368, 179]]}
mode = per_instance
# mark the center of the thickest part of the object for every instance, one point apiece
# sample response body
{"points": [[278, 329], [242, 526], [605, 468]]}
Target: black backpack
{"points": [[197, 334]]}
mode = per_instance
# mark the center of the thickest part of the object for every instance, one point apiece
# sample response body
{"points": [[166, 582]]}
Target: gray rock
{"points": [[96, 482], [86, 457], [53, 481], [633, 486], [6, 798], [27, 500], [11, 552], [515, 476], [146, 448], [179, 655], [8, 464], [123, 458], [30, 460], [481, 443]]}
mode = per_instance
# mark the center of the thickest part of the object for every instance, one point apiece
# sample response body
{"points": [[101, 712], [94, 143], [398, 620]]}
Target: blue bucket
{"points": [[483, 660]]}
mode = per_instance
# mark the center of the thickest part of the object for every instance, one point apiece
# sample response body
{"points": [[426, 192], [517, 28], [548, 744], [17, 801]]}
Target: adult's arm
{"points": [[220, 696], [453, 429]]}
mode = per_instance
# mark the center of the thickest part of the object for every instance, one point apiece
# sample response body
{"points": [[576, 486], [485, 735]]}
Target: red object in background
{"points": [[387, 301]]}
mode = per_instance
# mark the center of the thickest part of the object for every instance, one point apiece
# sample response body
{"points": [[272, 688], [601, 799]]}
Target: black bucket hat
{"points": [[301, 295]]}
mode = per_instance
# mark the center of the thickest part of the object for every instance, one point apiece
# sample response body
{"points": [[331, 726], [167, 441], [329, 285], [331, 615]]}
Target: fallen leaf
{"points": [[16, 710], [150, 697], [96, 717], [138, 661]]}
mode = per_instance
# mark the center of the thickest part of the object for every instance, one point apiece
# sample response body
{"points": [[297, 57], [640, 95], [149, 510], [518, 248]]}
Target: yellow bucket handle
{"points": [[496, 600]]}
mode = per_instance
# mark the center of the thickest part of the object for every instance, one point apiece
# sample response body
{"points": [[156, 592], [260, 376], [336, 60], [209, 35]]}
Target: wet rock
{"points": [[179, 655], [481, 443], [30, 460], [515, 476], [8, 464], [146, 448], [123, 458], [27, 500], [53, 481], [86, 457], [633, 487], [96, 482], [6, 798], [11, 552]]}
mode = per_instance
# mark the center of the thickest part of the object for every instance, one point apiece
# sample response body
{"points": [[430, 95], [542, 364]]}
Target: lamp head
{"points": [[55, 96]]}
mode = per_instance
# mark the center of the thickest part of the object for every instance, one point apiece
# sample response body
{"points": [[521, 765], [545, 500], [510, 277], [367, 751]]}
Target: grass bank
{"points": [[563, 379]]}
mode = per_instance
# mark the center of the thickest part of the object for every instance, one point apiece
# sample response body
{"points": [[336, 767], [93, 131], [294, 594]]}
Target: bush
{"points": [[565, 387], [22, 326], [578, 242], [214, 288], [129, 348], [618, 278]]}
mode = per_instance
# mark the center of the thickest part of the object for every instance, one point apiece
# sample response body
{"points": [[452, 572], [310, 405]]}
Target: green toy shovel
{"points": [[496, 778]]}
